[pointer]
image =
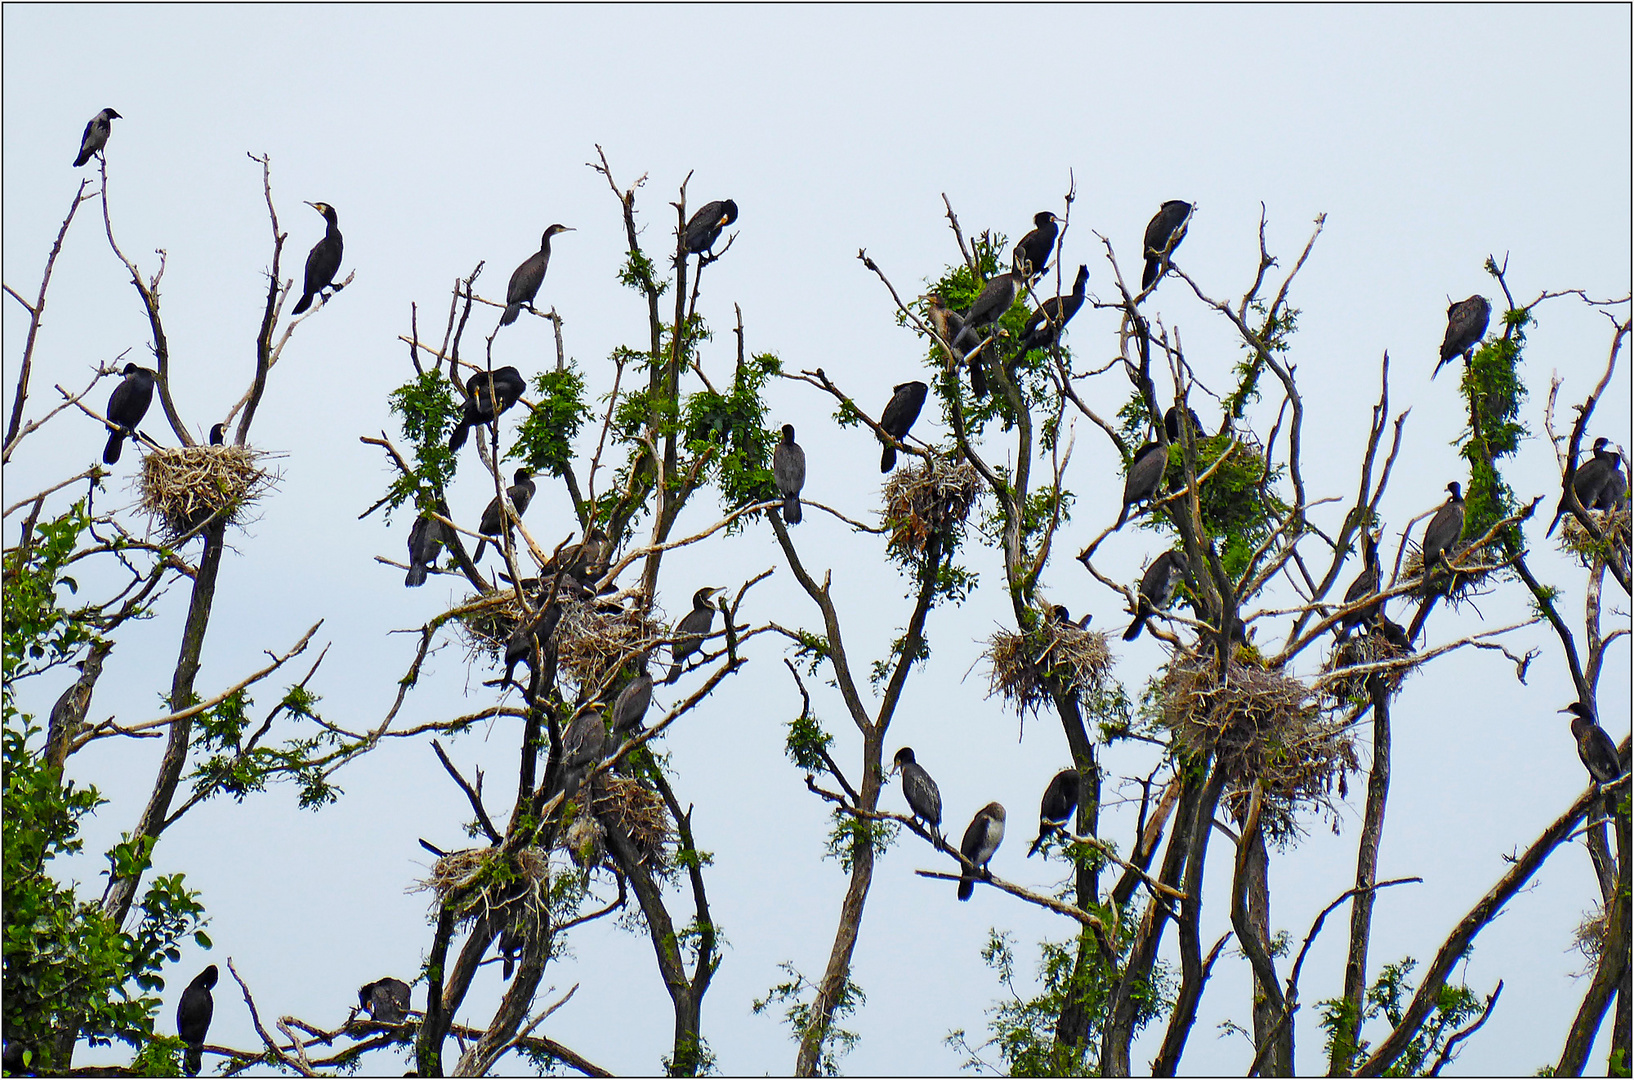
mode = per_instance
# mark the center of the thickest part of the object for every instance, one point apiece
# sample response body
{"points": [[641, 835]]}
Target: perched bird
{"points": [[493, 516], [1144, 479], [584, 744], [386, 1000], [789, 472], [1445, 529], [981, 840], [126, 406], [1365, 585], [583, 562], [526, 279], [520, 645], [1595, 748], [631, 705], [1163, 234], [1043, 327], [484, 401], [950, 327], [96, 135], [1059, 802], [426, 538], [1393, 632], [193, 1014], [1061, 615], [1033, 251], [704, 228], [1171, 422], [900, 413], [689, 633], [1466, 325], [218, 435], [924, 797], [996, 297], [1598, 483], [323, 261], [1157, 587]]}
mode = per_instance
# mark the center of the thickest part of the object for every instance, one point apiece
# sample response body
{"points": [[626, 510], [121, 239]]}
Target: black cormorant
{"points": [[1163, 234], [950, 327], [193, 1014], [583, 562], [1598, 483], [584, 744], [1044, 325], [1445, 529], [897, 420], [520, 645], [479, 407], [323, 261], [126, 406], [1595, 748], [96, 135], [1466, 324], [705, 226], [493, 517], [924, 797], [1171, 423], [1059, 802], [386, 1000], [1033, 251], [526, 279], [1157, 587], [218, 435], [1061, 615], [789, 472], [1393, 632], [1365, 585], [689, 633], [426, 537], [981, 840], [1144, 479], [630, 707]]}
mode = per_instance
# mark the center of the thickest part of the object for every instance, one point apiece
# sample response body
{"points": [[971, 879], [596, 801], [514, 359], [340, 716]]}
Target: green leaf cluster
{"points": [[544, 442], [427, 412]]}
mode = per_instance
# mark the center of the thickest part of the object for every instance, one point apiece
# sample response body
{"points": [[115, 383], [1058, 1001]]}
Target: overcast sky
{"points": [[1431, 137]]}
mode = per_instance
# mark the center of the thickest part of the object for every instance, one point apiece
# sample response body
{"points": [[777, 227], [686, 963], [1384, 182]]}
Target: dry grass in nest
{"points": [[493, 620], [482, 888], [639, 813], [1367, 647], [182, 487], [1615, 525], [1264, 727], [594, 640], [931, 496], [1058, 656], [1464, 583]]}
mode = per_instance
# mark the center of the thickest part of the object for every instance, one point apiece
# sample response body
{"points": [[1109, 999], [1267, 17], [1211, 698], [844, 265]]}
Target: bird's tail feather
{"points": [[791, 509], [116, 443], [482, 545], [416, 576], [887, 459], [967, 887], [457, 439], [304, 303], [1149, 275], [193, 1060], [511, 313], [1135, 628]]}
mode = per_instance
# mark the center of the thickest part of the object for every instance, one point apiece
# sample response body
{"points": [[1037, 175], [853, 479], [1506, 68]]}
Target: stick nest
{"points": [[1261, 727], [932, 496], [639, 813], [182, 488], [593, 640], [1615, 525], [1027, 671], [1456, 586], [1369, 647], [478, 881]]}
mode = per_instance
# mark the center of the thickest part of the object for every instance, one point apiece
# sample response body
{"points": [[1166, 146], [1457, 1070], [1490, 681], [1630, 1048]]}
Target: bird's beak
{"points": [[313, 205]]}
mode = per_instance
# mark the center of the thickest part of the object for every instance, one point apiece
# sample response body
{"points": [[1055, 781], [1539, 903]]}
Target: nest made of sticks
{"points": [[1616, 525], [1457, 585], [637, 810], [181, 488], [933, 495], [1263, 727], [595, 639], [1028, 670], [1367, 645], [472, 881]]}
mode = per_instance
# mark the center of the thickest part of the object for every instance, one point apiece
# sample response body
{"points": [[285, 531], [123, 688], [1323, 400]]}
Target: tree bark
{"points": [[1367, 874]]}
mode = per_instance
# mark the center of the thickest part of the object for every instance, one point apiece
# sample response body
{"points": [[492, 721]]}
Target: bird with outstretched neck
{"points": [[526, 279], [323, 261]]}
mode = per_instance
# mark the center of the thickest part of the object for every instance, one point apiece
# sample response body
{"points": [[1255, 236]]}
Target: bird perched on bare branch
{"points": [[323, 261], [493, 516], [487, 395], [426, 538], [1445, 529], [898, 418], [1032, 252], [1144, 479], [1365, 585], [1163, 234], [1044, 326], [789, 473], [1059, 802], [1157, 588], [126, 406], [689, 633], [981, 840], [96, 135], [193, 1014], [1595, 748], [386, 1000], [1466, 325], [526, 279], [704, 227], [924, 797], [1598, 483]]}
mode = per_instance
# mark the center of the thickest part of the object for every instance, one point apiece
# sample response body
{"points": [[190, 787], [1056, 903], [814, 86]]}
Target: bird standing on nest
{"points": [[493, 516], [1365, 585], [789, 473], [96, 135], [1163, 234], [898, 418], [526, 279], [1466, 325], [1059, 802], [704, 227], [126, 406], [1445, 529], [924, 797], [981, 841], [1597, 482], [323, 261]]}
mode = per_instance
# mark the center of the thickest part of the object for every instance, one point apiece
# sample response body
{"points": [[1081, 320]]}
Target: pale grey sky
{"points": [[1430, 136]]}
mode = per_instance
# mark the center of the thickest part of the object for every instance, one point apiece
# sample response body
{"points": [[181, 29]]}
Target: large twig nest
{"points": [[595, 639], [637, 810], [1369, 646], [1457, 586], [479, 881], [181, 488], [1027, 671], [931, 496], [1615, 525], [1260, 726]]}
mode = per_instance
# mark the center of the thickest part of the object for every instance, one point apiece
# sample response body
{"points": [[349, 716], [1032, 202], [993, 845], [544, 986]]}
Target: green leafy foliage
{"points": [[1493, 391], [802, 1020], [807, 742], [1455, 1006], [544, 442], [39, 632], [731, 427], [850, 836], [428, 413]]}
